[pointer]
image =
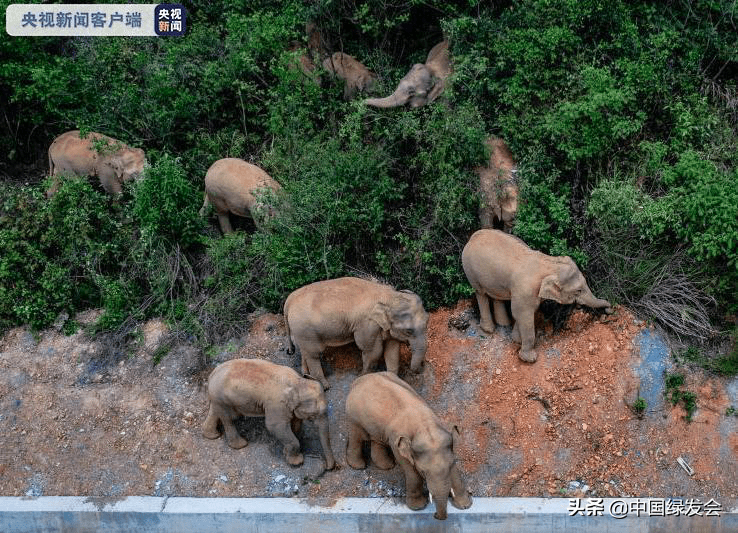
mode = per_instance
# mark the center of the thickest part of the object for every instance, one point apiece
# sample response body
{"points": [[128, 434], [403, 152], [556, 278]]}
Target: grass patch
{"points": [[675, 394]]}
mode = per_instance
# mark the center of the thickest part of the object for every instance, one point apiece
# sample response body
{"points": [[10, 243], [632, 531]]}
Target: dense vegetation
{"points": [[623, 117]]}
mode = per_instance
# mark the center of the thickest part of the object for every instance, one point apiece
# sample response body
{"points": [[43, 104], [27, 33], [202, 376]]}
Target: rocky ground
{"points": [[76, 420]]}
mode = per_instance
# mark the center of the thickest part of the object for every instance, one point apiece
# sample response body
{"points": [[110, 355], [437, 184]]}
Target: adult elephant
{"points": [[502, 267], [383, 409], [95, 154], [234, 186], [423, 84], [340, 311], [354, 74]]}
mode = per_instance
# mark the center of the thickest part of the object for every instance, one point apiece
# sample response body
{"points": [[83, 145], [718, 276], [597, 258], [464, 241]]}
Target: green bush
{"points": [[166, 204], [59, 254]]}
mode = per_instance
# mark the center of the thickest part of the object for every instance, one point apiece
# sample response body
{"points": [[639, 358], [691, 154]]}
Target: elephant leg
{"points": [[416, 499], [516, 333], [523, 312], [485, 317], [232, 437], [372, 349], [356, 437], [279, 425], [296, 425], [225, 223], [392, 355], [501, 316], [460, 498], [305, 370], [210, 427], [310, 353], [381, 457]]}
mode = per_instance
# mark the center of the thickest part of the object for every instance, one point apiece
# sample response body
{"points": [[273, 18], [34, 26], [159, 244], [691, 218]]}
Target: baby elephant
{"points": [[344, 310], [502, 267], [253, 387], [108, 159], [230, 185], [383, 409]]}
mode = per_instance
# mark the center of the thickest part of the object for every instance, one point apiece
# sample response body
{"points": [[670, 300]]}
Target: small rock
{"points": [[280, 478], [223, 478], [498, 371]]}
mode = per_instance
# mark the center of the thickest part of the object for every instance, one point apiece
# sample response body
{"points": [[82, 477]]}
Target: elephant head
{"points": [[128, 163], [405, 319], [307, 401], [566, 285], [423, 84], [432, 454]]}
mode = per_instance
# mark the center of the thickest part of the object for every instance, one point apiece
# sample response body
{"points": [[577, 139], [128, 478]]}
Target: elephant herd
{"points": [[380, 407]]}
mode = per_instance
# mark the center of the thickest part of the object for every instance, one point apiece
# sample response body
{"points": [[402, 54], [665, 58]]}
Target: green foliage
{"points": [[166, 204], [332, 217], [725, 365], [621, 116], [674, 392], [639, 407], [57, 255]]}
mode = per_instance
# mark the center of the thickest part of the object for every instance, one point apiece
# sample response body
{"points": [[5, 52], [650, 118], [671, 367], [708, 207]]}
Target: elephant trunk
{"points": [[589, 299], [396, 99], [439, 493], [325, 441], [418, 347]]}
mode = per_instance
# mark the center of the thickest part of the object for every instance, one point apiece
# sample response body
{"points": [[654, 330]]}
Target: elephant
{"points": [[230, 185], [95, 154], [355, 75], [423, 84], [498, 187], [383, 409], [502, 267], [339, 311], [254, 387]]}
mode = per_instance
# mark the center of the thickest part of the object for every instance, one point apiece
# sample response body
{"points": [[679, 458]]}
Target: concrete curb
{"points": [[275, 515]]}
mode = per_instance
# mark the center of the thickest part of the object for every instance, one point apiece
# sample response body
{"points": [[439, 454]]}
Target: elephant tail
{"points": [[290, 344], [205, 204]]}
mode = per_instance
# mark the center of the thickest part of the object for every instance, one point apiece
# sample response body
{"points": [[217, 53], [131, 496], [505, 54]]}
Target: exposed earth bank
{"points": [[76, 420]]}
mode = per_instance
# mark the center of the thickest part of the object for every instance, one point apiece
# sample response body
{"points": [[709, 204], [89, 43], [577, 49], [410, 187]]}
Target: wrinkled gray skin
{"points": [[340, 311], [502, 267], [355, 75], [233, 186], [423, 84], [385, 410], [253, 387], [110, 160]]}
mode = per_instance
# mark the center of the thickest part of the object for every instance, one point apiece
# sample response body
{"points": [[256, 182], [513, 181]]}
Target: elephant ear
{"points": [[292, 398], [405, 449], [118, 166], [380, 314], [550, 288], [437, 90]]}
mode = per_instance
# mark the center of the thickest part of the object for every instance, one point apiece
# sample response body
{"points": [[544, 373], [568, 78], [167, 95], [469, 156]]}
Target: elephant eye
{"points": [[409, 331]]}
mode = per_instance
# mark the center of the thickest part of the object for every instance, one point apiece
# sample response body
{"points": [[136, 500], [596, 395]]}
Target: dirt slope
{"points": [[72, 425]]}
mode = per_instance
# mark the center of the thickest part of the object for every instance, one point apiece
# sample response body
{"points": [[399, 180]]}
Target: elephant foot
{"points": [[461, 501], [330, 464], [529, 356], [210, 432], [355, 461], [325, 384], [237, 442], [416, 503], [487, 327], [295, 459]]}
